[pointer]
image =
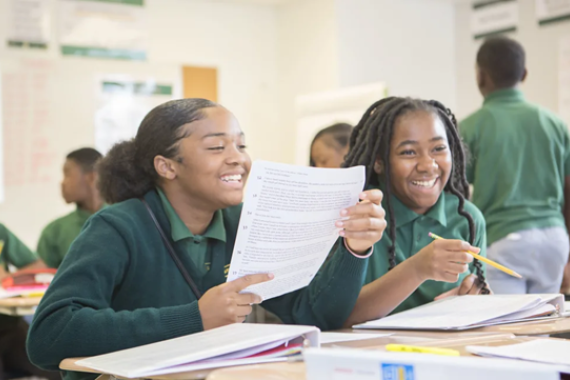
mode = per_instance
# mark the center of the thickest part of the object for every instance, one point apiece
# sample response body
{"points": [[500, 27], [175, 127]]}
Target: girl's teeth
{"points": [[425, 183], [231, 178]]}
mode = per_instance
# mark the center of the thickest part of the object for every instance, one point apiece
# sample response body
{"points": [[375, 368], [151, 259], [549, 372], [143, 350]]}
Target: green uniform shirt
{"points": [[118, 287], [196, 246], [17, 253], [412, 235], [57, 237], [520, 154]]}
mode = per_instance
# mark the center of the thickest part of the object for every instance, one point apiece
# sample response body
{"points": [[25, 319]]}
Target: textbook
{"points": [[472, 311], [349, 364], [231, 345]]}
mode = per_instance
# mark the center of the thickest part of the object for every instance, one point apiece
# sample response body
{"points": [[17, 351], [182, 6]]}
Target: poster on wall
{"points": [[28, 24], [123, 103], [494, 17], [564, 79], [549, 11], [113, 29]]}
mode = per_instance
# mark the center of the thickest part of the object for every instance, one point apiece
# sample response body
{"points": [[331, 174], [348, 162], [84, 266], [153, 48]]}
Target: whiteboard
{"points": [[319, 110], [49, 108]]}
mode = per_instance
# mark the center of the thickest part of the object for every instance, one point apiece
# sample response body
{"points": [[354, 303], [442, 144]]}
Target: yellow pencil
{"points": [[485, 260]]}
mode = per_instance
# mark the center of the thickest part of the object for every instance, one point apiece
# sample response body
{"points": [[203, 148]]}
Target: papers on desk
{"points": [[231, 345], [350, 364], [468, 312], [287, 224], [549, 351]]}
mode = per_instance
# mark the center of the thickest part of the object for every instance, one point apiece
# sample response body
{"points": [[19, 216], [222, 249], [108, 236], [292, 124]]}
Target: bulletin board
{"points": [[49, 108]]}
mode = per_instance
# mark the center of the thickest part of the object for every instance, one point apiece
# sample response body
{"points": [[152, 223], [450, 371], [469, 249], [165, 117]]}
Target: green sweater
{"points": [[118, 288]]}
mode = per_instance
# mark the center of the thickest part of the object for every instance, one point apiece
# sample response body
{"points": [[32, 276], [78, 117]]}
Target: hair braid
{"points": [[458, 184]]}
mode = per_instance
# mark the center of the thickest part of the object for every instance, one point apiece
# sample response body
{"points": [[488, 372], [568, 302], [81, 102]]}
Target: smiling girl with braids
{"points": [[413, 153]]}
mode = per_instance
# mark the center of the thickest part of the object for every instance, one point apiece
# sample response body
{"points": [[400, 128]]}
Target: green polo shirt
{"points": [[520, 154], [196, 246], [57, 237], [17, 253], [412, 235]]}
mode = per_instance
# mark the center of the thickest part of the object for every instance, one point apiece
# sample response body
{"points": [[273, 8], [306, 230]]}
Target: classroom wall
{"points": [[408, 44], [307, 41], [238, 39], [540, 42]]}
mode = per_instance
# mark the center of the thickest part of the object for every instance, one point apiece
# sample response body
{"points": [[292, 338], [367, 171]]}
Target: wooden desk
{"points": [[19, 306], [296, 371], [404, 337]]}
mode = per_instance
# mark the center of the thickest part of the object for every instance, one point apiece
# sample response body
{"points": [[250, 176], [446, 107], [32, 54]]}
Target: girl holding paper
{"points": [[153, 265], [413, 153]]}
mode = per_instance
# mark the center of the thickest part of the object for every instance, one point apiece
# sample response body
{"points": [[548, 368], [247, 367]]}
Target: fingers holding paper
{"points": [[364, 222], [223, 304]]}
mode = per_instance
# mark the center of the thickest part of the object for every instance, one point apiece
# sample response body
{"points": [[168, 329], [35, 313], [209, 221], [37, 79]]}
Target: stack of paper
{"points": [[467, 312], [231, 345], [551, 351]]}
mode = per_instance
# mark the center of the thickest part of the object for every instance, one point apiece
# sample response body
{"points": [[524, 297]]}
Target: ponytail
{"points": [[127, 171]]}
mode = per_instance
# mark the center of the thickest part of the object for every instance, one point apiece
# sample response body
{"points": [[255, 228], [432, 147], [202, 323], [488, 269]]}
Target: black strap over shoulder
{"points": [[172, 252]]}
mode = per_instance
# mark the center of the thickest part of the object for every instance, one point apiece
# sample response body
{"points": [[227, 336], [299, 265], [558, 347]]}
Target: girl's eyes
{"points": [[221, 148]]}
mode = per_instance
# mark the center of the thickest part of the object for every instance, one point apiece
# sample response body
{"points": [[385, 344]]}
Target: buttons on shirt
{"points": [[198, 239]]}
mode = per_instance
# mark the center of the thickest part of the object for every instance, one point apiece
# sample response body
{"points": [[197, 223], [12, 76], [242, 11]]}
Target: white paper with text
{"points": [[287, 224]]}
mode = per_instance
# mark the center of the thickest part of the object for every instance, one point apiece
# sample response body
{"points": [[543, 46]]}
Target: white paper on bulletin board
{"points": [[28, 24], [123, 102], [320, 110], [103, 29], [493, 17], [548, 11]]}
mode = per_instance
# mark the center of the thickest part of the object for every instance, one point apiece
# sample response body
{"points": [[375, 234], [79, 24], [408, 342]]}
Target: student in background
{"points": [[520, 170], [330, 146], [14, 361], [413, 153], [79, 186], [15, 253], [185, 171]]}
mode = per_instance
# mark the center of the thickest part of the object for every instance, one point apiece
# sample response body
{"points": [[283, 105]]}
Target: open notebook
{"points": [[231, 345], [468, 312]]}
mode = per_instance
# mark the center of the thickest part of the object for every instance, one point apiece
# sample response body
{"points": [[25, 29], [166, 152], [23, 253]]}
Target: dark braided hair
{"points": [[371, 139]]}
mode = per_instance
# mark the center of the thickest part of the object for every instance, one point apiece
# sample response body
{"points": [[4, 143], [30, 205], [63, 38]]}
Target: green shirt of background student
{"points": [[15, 253], [520, 171], [413, 153], [79, 187]]}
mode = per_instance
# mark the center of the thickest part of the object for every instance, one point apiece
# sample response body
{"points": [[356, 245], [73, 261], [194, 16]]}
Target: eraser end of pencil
{"points": [[430, 234]]}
